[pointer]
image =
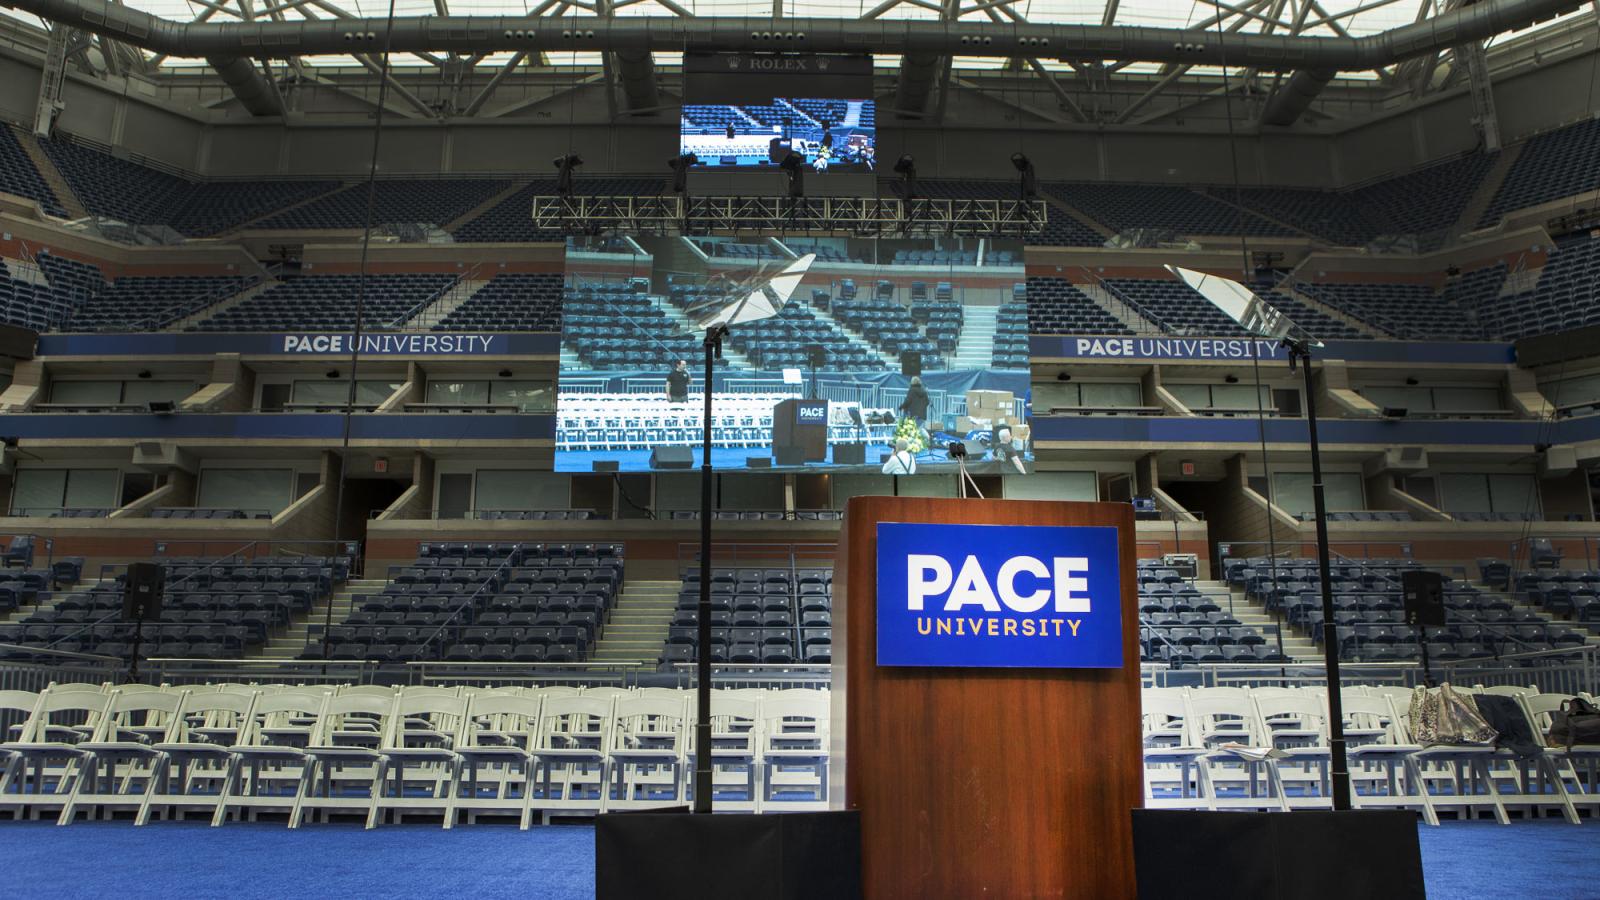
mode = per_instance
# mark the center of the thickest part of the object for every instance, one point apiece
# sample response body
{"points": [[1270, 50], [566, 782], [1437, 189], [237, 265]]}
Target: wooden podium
{"points": [[984, 782]]}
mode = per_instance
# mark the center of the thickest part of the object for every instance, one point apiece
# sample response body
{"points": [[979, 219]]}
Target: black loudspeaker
{"points": [[605, 465], [850, 454], [790, 455], [1423, 595], [142, 590], [672, 458], [910, 363], [794, 856], [1304, 855], [817, 355], [758, 462]]}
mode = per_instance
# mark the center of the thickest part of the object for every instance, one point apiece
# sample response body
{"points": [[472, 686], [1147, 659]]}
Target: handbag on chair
{"points": [[1576, 722], [1442, 716]]}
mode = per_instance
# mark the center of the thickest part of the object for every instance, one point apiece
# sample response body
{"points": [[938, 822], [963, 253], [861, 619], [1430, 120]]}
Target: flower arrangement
{"points": [[909, 431]]}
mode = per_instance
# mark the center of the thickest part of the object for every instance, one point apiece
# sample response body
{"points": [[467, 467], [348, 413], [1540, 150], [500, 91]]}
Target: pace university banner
{"points": [[1013, 596]]}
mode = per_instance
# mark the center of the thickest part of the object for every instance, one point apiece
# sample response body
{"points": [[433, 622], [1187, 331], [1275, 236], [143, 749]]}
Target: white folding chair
{"points": [[1295, 724], [125, 745], [200, 749], [423, 729], [16, 707], [1380, 760], [268, 767], [1534, 784], [49, 745], [1579, 765], [574, 736], [735, 749], [1218, 716], [344, 751], [794, 750], [498, 739], [648, 751], [1455, 775], [1167, 748]]}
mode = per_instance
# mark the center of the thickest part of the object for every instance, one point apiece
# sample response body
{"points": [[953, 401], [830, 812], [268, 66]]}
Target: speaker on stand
{"points": [[1422, 594], [143, 589]]}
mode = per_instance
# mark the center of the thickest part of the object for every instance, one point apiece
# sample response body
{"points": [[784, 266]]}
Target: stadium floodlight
{"points": [[566, 168], [795, 165], [1028, 188], [1258, 317], [906, 168], [680, 166]]}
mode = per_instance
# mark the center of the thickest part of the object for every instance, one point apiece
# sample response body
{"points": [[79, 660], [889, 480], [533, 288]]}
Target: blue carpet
{"points": [[1461, 860], [1543, 858], [193, 861]]}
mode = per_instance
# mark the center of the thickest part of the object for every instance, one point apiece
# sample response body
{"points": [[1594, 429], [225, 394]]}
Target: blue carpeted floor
{"points": [[1462, 860]]}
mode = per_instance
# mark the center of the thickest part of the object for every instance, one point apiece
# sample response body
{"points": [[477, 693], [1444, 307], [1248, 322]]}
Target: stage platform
{"points": [[726, 460]]}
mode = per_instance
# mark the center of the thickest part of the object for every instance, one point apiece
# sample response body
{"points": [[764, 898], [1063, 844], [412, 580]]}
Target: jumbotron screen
{"points": [[897, 357], [830, 135]]}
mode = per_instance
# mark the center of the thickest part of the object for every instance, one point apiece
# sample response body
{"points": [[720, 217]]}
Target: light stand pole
{"points": [[702, 668], [1338, 767]]}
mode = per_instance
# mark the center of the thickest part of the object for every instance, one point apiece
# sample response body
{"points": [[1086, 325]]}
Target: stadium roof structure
{"points": [[1097, 62]]}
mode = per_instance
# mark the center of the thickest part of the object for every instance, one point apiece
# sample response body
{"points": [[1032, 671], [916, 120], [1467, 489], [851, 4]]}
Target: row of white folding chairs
{"points": [[1187, 767], [508, 750]]}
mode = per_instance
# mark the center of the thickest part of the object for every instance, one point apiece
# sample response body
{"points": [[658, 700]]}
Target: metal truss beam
{"points": [[856, 216], [483, 34]]}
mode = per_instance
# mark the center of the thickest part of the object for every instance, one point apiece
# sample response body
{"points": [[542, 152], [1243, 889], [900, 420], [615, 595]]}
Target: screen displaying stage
{"points": [[898, 357], [751, 110], [830, 135]]}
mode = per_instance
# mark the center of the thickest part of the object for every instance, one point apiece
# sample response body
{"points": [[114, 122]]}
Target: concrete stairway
{"points": [[28, 609], [1484, 195], [1119, 309], [637, 629], [892, 363], [445, 304], [292, 641], [1296, 646], [50, 174], [976, 347], [484, 207], [200, 315]]}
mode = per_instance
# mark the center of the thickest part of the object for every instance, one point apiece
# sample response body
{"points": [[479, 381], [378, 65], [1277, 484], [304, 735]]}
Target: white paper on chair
{"points": [[1253, 754]]}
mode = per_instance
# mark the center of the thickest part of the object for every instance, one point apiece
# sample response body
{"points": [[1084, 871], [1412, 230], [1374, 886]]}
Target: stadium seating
{"points": [[414, 200], [1482, 622], [734, 250], [151, 303], [213, 609], [1425, 202], [19, 176], [1173, 305], [1563, 299], [129, 192], [887, 325], [510, 302], [784, 341], [618, 325], [482, 603], [328, 302], [1550, 166], [1055, 306], [1407, 311], [1123, 207]]}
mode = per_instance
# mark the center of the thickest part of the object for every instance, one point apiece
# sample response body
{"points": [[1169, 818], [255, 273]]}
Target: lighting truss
{"points": [[860, 216]]}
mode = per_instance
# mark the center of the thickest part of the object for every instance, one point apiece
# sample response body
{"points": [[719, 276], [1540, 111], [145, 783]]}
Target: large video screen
{"points": [[829, 134], [898, 357]]}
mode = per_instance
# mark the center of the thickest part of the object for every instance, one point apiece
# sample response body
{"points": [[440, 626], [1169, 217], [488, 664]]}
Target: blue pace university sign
{"points": [[1016, 596]]}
